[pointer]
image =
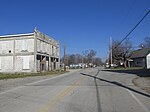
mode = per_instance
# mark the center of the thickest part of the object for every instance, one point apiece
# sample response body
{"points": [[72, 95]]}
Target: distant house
{"points": [[140, 58], [30, 52]]}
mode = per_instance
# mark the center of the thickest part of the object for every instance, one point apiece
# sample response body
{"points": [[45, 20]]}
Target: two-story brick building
{"points": [[31, 52]]}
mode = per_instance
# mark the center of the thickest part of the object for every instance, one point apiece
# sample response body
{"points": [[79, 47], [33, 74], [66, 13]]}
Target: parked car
{"points": [[113, 66]]}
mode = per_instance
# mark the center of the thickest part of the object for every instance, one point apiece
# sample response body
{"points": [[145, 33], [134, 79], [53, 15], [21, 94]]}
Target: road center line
{"points": [[60, 96], [138, 101]]}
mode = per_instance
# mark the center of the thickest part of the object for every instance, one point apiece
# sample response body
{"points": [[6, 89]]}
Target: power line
{"points": [[133, 29], [125, 18]]}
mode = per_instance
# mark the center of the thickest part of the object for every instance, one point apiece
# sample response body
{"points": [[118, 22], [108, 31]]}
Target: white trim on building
{"points": [[148, 61]]}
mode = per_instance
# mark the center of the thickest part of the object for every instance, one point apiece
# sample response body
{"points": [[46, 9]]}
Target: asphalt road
{"points": [[90, 90]]}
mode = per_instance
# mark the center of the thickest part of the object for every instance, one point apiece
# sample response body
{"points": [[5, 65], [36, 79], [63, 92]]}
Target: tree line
{"points": [[86, 57]]}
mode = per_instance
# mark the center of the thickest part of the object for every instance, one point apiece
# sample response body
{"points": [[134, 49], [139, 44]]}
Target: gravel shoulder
{"points": [[143, 83], [8, 84]]}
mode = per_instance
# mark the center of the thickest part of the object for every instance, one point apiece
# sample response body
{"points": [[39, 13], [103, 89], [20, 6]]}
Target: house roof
{"points": [[140, 53]]}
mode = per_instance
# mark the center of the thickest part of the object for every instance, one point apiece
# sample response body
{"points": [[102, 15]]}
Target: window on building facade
{"points": [[26, 63], [41, 46], [38, 45], [24, 45]]}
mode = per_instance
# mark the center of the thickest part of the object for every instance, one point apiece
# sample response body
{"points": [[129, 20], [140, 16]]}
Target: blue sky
{"points": [[80, 24]]}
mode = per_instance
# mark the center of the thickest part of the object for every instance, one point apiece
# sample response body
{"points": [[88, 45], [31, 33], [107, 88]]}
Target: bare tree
{"points": [[97, 61], [127, 51], [117, 51], [147, 42], [121, 53], [91, 55], [85, 56], [79, 58], [72, 59]]}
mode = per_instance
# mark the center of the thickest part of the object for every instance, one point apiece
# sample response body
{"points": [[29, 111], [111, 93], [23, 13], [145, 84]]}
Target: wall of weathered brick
{"points": [[18, 53], [24, 45], [43, 47], [6, 63], [12, 53], [19, 63], [48, 46], [6, 47]]}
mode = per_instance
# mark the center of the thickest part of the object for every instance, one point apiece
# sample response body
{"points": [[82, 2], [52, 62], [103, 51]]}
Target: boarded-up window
{"points": [[41, 46], [46, 65], [38, 65], [38, 45], [0, 63], [26, 64], [24, 45], [44, 47]]}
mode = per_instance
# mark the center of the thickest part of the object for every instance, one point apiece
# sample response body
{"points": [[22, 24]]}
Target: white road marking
{"points": [[7, 91], [138, 101]]}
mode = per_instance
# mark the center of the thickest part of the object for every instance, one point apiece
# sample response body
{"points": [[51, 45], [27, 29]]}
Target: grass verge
{"points": [[137, 71], [144, 86], [23, 75], [122, 68]]}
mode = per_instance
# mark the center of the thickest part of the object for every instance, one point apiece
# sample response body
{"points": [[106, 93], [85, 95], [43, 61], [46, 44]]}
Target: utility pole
{"points": [[64, 57], [110, 51]]}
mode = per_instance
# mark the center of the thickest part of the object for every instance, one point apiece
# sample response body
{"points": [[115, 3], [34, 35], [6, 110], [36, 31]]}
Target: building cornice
{"points": [[16, 35]]}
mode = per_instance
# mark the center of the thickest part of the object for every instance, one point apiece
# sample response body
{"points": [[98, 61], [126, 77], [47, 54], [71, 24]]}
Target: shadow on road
{"points": [[138, 72], [97, 93], [113, 82]]}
